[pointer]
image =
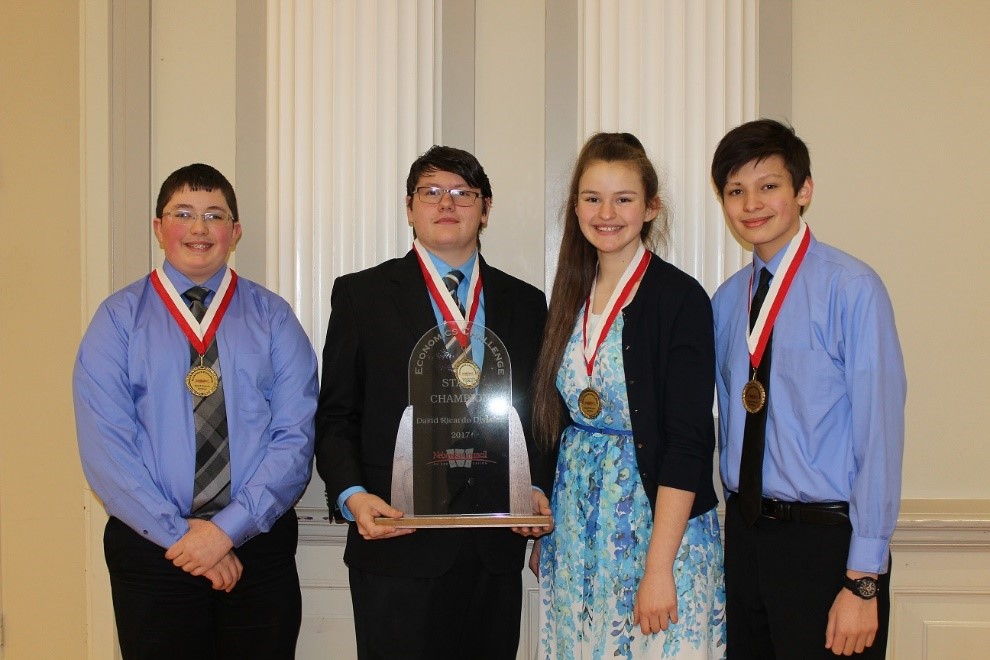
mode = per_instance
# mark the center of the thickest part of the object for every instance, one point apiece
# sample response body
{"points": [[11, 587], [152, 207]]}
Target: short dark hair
{"points": [[450, 159], [196, 177], [758, 140]]}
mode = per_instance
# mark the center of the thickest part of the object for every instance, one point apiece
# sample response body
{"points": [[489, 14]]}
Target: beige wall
{"points": [[42, 549], [892, 98]]}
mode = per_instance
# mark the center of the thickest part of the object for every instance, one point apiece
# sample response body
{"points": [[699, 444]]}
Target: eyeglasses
{"points": [[433, 195], [185, 216]]}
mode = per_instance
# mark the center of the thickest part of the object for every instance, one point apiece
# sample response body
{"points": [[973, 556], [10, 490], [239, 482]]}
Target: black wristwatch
{"points": [[864, 587]]}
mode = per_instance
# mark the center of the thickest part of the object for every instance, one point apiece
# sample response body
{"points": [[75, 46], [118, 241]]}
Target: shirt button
{"points": [[639, 446], [144, 531]]}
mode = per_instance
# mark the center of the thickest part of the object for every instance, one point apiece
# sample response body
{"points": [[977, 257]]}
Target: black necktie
{"points": [[751, 465], [211, 487]]}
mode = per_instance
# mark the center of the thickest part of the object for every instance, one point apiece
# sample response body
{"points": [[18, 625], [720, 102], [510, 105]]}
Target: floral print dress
{"points": [[591, 564]]}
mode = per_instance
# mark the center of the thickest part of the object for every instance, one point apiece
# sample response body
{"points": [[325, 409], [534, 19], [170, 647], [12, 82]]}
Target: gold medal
{"points": [[590, 403], [468, 374], [754, 396], [202, 381]]}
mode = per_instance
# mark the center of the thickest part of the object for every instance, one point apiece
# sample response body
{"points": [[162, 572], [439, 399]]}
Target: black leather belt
{"points": [[820, 513]]}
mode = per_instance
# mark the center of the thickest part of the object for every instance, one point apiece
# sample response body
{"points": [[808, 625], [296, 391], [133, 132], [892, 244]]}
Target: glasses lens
{"points": [[463, 197], [431, 195]]}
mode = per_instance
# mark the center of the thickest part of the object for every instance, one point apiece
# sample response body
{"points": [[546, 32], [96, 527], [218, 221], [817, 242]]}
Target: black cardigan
{"points": [[669, 360]]}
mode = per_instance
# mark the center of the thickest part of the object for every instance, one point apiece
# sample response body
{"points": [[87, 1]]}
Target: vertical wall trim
{"points": [[563, 88], [250, 122], [456, 45], [775, 73]]}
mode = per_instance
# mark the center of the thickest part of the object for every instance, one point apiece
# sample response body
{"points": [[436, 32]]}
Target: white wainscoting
{"points": [[940, 581], [940, 585]]}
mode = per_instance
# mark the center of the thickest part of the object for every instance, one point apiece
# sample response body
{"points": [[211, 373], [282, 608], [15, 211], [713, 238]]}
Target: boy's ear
{"points": [[805, 191]]}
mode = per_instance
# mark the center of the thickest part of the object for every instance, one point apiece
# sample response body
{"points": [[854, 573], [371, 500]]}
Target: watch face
{"points": [[866, 587]]}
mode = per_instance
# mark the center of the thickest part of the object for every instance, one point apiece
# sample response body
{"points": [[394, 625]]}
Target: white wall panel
{"points": [[350, 106]]}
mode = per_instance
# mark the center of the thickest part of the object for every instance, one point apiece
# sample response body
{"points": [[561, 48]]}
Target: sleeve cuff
{"points": [[344, 511], [868, 555], [236, 523]]}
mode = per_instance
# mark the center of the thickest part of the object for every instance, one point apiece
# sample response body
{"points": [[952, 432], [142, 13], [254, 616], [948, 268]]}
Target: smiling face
{"points": [[612, 208], [761, 205], [445, 229], [197, 248]]}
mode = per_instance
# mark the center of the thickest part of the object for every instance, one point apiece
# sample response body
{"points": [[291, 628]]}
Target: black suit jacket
{"points": [[377, 316]]}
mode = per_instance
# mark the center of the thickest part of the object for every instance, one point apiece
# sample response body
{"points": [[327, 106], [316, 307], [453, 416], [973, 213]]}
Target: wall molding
{"points": [[922, 526]]}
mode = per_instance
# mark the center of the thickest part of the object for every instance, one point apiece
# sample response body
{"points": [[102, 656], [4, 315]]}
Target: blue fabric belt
{"points": [[592, 429]]}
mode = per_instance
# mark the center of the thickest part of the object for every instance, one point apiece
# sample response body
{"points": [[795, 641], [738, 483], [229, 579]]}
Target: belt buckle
{"points": [[780, 510]]}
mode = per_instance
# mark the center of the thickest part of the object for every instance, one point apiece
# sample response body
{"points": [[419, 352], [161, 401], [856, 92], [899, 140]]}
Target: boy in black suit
{"points": [[451, 593]]}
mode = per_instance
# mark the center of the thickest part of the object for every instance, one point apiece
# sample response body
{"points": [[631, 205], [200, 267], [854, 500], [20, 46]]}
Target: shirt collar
{"points": [[774, 263], [443, 267], [183, 283]]}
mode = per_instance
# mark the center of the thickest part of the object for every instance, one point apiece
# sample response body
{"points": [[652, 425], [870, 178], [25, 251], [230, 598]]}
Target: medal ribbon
{"points": [[200, 335], [757, 339], [632, 275], [441, 296]]}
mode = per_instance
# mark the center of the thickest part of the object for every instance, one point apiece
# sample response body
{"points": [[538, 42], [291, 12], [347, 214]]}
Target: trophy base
{"points": [[470, 520]]}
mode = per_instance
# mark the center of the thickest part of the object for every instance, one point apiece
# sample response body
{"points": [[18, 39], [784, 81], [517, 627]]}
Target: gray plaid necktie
{"points": [[211, 489], [452, 280], [458, 354]]}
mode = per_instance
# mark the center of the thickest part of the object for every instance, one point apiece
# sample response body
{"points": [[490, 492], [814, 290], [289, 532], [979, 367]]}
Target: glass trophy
{"points": [[460, 452]]}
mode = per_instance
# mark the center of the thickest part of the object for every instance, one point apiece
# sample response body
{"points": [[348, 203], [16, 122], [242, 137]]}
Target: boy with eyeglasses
{"points": [[434, 593], [194, 394], [811, 392]]}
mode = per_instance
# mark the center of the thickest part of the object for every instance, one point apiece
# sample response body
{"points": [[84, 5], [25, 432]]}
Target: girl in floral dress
{"points": [[633, 567]]}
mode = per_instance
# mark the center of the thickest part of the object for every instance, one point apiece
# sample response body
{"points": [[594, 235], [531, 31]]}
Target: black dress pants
{"points": [[781, 579], [465, 613], [164, 613]]}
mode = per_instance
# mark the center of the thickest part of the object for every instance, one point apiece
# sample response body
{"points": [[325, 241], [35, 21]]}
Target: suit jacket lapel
{"points": [[410, 296], [498, 309]]}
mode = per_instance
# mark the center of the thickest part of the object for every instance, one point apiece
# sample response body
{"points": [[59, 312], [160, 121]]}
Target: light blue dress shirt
{"points": [[835, 425], [134, 419]]}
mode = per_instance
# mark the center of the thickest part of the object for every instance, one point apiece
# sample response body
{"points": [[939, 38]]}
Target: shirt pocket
{"points": [[806, 382], [254, 375]]}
